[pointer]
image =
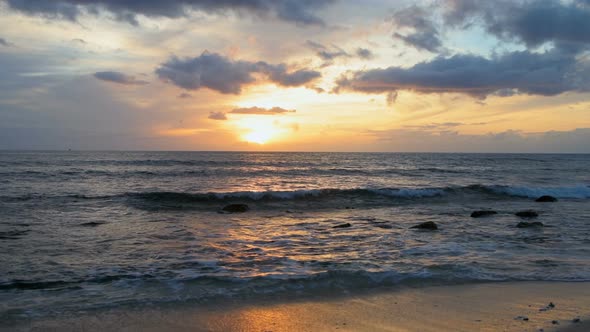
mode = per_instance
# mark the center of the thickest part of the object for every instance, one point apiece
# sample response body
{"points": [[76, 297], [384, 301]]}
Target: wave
{"points": [[403, 193], [579, 191], [349, 279], [574, 192]]}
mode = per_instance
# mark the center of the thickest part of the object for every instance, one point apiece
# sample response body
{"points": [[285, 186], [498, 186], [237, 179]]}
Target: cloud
{"points": [[423, 33], [301, 12], [217, 116], [445, 126], [391, 98], [118, 77], [333, 52], [530, 22], [445, 140], [549, 73], [326, 53], [279, 75], [261, 111], [219, 73], [250, 110], [185, 95], [4, 42], [364, 53]]}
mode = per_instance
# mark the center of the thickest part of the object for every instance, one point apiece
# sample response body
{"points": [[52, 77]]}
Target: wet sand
{"points": [[513, 306]]}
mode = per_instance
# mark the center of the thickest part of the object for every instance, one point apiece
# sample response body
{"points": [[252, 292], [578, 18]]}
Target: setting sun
{"points": [[258, 130], [259, 137]]}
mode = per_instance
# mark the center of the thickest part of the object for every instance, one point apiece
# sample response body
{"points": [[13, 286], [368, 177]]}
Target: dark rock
{"points": [[426, 225], [526, 224], [343, 226], [546, 198], [384, 226], [92, 224], [236, 208], [554, 322], [12, 235], [482, 213], [527, 214], [576, 320]]}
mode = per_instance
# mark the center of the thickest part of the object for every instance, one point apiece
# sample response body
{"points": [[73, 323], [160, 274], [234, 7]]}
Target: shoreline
{"points": [[471, 307]]}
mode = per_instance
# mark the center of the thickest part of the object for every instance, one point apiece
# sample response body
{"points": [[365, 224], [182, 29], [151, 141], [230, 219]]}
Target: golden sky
{"points": [[286, 75]]}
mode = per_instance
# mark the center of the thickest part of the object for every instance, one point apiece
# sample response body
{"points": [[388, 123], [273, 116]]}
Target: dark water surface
{"points": [[89, 230]]}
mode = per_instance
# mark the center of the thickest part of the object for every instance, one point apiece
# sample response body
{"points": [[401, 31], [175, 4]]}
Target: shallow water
{"points": [[88, 230]]}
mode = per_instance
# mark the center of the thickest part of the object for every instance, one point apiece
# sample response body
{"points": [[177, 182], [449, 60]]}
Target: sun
{"points": [[259, 137], [259, 131]]}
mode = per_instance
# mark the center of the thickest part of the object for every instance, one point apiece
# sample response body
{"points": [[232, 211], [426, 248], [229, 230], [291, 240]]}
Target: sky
{"points": [[296, 75]]}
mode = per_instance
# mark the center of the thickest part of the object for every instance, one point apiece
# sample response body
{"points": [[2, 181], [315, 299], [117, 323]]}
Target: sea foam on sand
{"points": [[509, 306]]}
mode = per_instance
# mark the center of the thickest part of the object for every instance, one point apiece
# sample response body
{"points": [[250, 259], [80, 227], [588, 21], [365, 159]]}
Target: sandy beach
{"points": [[514, 306]]}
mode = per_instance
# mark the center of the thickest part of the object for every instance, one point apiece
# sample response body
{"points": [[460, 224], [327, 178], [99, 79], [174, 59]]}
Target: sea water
{"points": [[84, 231]]}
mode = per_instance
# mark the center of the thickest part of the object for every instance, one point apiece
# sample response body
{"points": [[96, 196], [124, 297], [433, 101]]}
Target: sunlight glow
{"points": [[260, 130]]}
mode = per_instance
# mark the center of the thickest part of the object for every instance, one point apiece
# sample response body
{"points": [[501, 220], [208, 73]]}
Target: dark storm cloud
{"points": [[549, 73], [221, 74], [118, 77], [261, 111], [301, 12], [423, 35]]}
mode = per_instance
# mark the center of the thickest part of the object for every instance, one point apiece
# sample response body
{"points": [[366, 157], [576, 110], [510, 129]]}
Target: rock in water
{"points": [[546, 198], [92, 224], [526, 224], [343, 226], [527, 214], [236, 208], [482, 213], [426, 225]]}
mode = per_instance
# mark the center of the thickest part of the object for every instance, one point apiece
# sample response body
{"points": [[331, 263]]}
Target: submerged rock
{"points": [[236, 208], [526, 224], [430, 225], [546, 198], [92, 224], [482, 213], [383, 225], [527, 214], [343, 225]]}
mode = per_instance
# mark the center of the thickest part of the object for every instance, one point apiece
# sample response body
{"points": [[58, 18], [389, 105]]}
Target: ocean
{"points": [[83, 231]]}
